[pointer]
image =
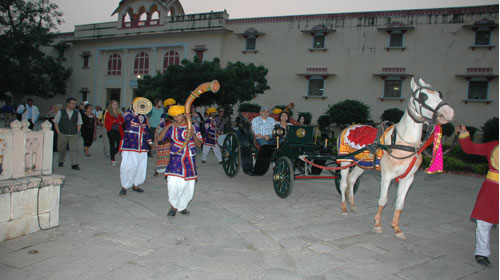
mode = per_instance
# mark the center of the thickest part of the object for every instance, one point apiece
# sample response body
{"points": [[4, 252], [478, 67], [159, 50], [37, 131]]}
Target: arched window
{"points": [[170, 58], [127, 18], [143, 16], [141, 64], [115, 65]]}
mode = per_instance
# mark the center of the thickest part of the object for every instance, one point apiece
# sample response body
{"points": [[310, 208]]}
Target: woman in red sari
{"points": [[485, 210]]}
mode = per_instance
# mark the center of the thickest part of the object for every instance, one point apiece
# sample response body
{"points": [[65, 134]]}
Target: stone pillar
{"points": [[155, 61], [48, 138], [18, 139], [125, 75]]}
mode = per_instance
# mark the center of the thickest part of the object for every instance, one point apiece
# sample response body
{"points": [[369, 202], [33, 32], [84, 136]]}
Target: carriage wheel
{"points": [[231, 154], [337, 181], [283, 177]]}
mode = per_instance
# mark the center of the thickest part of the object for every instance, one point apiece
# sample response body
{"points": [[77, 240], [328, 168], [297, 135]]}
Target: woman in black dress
{"points": [[88, 128]]}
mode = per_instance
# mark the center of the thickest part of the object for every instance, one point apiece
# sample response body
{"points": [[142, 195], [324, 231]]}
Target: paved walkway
{"points": [[240, 229]]}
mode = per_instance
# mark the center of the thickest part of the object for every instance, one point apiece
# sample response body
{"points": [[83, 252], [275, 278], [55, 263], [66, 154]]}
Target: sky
{"points": [[78, 12]]}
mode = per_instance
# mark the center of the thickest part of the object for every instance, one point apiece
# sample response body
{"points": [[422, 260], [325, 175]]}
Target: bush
{"points": [[348, 112], [448, 129], [307, 117], [249, 107], [453, 164], [481, 168], [472, 131], [393, 115], [323, 121], [490, 130]]}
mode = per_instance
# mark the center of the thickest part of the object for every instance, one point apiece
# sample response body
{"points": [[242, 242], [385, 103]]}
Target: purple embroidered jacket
{"points": [[136, 133], [210, 138], [182, 164]]}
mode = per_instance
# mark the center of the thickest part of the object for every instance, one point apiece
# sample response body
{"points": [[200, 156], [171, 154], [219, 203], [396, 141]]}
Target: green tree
{"points": [[490, 130], [239, 82], [348, 112], [25, 28], [393, 115]]}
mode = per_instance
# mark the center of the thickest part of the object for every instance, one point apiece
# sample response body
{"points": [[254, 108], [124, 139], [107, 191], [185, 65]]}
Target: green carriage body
{"points": [[240, 149]]}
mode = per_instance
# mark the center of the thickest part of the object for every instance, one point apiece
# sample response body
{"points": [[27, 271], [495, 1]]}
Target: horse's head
{"points": [[427, 105]]}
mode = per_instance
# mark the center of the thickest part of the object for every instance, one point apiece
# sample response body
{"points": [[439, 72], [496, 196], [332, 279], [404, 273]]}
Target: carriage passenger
{"points": [[284, 123], [262, 127]]}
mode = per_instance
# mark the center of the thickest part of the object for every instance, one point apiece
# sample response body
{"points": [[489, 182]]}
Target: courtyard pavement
{"points": [[240, 229]]}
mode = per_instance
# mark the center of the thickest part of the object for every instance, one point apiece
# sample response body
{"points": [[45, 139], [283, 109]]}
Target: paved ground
{"points": [[240, 229]]}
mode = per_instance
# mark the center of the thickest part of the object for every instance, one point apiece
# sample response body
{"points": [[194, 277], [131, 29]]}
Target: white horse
{"points": [[425, 106]]}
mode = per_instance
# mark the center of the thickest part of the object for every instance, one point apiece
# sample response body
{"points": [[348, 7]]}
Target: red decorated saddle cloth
{"points": [[356, 137]]}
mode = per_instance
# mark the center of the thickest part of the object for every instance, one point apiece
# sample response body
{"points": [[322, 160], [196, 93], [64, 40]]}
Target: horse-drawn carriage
{"points": [[240, 150]]}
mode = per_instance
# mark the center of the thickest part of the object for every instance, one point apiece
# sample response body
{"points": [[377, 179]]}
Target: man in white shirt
{"points": [[29, 112], [262, 127]]}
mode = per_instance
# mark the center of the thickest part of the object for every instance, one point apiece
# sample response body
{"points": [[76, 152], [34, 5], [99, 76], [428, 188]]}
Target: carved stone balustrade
{"points": [[29, 192]]}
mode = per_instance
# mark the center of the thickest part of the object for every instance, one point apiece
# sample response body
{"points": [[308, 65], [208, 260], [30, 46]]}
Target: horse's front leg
{"points": [[384, 187], [403, 187], [344, 174], [351, 181]]}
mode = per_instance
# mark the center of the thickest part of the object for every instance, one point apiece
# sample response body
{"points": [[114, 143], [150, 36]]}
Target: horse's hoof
{"points": [[354, 209], [345, 214], [400, 236], [378, 230]]}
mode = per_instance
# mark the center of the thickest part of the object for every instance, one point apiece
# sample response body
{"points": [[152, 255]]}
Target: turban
{"points": [[175, 110], [169, 101], [211, 110], [137, 98], [277, 111]]}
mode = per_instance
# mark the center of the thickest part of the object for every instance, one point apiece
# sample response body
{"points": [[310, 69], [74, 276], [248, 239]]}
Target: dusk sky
{"points": [[95, 11]]}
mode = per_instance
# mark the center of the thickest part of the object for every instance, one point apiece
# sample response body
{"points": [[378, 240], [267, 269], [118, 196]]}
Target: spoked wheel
{"points": [[337, 181], [283, 177], [231, 154]]}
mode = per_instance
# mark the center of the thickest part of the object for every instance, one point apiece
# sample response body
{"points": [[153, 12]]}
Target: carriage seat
{"points": [[249, 116]]}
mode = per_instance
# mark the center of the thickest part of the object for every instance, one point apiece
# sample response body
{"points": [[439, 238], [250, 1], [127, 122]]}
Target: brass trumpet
{"points": [[142, 105]]}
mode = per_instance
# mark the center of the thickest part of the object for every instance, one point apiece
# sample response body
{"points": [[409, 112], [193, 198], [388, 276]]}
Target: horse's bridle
{"points": [[418, 117], [422, 97]]}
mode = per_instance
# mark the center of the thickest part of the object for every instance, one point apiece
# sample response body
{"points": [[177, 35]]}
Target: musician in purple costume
{"points": [[181, 170], [134, 147], [210, 137]]}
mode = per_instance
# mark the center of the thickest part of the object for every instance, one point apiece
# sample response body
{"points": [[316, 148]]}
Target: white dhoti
{"points": [[133, 169], [483, 238], [180, 192], [216, 149]]}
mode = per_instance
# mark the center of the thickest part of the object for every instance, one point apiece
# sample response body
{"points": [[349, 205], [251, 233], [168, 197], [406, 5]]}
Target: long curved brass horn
{"points": [[212, 86], [142, 105]]}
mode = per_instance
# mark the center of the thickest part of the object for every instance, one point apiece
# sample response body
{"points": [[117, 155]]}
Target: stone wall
{"points": [[28, 205], [29, 192]]}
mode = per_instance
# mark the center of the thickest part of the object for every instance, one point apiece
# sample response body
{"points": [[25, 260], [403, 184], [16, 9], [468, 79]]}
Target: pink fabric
{"points": [[437, 153]]}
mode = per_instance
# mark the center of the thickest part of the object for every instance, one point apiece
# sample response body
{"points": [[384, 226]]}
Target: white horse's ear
{"points": [[423, 83], [413, 84]]}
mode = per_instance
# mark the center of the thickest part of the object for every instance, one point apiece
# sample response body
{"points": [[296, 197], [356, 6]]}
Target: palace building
{"points": [[313, 60]]}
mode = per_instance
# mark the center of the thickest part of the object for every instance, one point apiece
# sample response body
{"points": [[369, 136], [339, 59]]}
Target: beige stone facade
{"points": [[313, 60]]}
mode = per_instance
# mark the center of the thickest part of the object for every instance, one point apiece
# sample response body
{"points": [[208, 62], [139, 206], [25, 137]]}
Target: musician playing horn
{"points": [[134, 147], [181, 171]]}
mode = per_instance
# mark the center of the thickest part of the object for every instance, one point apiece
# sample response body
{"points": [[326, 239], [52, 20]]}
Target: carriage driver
{"points": [[262, 127]]}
